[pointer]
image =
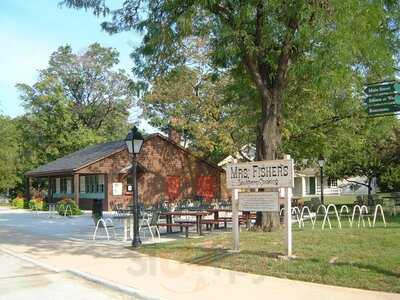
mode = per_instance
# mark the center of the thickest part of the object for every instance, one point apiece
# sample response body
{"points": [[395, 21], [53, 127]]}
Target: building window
{"points": [[63, 185], [82, 184], [93, 184], [332, 182]]}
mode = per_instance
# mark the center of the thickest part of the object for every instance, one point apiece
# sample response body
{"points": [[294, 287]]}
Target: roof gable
{"points": [[168, 140]]}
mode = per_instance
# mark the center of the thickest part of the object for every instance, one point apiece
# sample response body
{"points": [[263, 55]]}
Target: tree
{"points": [[269, 41], [78, 100], [8, 154], [365, 149], [206, 108]]}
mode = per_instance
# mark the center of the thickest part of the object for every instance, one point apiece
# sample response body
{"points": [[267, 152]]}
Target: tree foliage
{"points": [[364, 148], [303, 58], [78, 100], [9, 151], [206, 108]]}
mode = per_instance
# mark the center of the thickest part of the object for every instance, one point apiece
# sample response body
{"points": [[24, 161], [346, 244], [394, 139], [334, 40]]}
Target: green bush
{"points": [[37, 204], [18, 202], [62, 205]]}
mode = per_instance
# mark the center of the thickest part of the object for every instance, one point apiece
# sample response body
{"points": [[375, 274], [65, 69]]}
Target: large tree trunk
{"points": [[269, 139]]}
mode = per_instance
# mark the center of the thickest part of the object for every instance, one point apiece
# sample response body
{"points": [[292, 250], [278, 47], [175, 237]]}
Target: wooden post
{"points": [[235, 220], [106, 200], [49, 191], [76, 189], [288, 217], [28, 189]]}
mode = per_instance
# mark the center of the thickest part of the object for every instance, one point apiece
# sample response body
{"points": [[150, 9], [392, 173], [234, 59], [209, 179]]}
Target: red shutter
{"points": [[206, 187], [173, 187]]}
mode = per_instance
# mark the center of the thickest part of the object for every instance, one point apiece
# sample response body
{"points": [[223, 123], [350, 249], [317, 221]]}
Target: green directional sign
{"points": [[382, 88], [383, 109], [382, 99]]}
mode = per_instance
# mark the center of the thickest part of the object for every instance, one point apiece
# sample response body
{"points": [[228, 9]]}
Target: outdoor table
{"points": [[392, 198], [216, 212], [198, 214]]}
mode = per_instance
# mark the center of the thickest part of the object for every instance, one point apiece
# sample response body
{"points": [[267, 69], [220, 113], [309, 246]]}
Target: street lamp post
{"points": [[134, 142], [321, 162]]}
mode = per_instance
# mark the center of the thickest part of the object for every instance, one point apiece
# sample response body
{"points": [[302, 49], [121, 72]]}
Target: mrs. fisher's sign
{"points": [[260, 174]]}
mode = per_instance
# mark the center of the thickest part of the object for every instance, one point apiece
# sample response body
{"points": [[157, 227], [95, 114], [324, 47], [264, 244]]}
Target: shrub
{"points": [[18, 202], [62, 205], [37, 204]]}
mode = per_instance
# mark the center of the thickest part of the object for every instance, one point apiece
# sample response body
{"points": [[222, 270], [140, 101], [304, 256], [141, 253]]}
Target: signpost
{"points": [[382, 98], [273, 175]]}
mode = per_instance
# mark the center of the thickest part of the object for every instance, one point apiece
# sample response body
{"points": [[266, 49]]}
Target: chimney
{"points": [[174, 135]]}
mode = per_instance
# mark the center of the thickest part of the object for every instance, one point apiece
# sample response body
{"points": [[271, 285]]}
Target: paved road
{"points": [[23, 280]]}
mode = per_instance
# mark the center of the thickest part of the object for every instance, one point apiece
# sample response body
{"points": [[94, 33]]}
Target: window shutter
{"points": [[206, 187], [173, 187]]}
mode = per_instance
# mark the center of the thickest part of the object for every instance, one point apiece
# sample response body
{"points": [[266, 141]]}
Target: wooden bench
{"points": [[181, 225], [226, 220], [209, 223]]}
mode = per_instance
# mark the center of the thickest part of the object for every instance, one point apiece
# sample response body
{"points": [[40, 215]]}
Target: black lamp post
{"points": [[321, 162], [134, 142]]}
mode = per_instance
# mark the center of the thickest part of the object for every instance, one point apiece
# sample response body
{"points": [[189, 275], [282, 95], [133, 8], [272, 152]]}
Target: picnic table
{"points": [[244, 218], [396, 202], [198, 214], [216, 212]]}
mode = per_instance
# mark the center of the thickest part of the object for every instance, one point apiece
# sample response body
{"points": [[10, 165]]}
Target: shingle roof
{"points": [[91, 154], [78, 159]]}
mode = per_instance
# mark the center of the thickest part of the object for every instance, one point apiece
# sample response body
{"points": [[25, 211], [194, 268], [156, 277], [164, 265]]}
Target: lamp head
{"points": [[134, 141]]}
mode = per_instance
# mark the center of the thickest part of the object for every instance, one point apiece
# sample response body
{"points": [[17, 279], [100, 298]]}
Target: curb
{"points": [[115, 286], [111, 285], [32, 261]]}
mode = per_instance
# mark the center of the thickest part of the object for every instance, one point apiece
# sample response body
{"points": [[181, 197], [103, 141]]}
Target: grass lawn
{"points": [[342, 199], [367, 258]]}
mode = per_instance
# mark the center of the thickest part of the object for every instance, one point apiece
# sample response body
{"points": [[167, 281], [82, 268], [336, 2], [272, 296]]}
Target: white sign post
{"points": [[257, 175], [235, 220], [288, 216]]}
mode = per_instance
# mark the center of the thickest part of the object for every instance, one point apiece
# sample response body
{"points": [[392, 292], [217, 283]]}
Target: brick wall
{"points": [[161, 159]]}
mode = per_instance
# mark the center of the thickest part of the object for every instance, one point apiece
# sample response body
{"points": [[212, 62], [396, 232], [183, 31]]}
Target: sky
{"points": [[30, 30]]}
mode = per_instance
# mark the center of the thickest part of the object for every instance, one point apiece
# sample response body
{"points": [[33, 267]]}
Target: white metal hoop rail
{"points": [[104, 223], [305, 208], [327, 216], [323, 207], [376, 212]]}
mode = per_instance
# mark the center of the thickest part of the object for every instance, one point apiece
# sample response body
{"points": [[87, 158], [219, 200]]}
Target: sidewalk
{"points": [[63, 244], [22, 280], [166, 279]]}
